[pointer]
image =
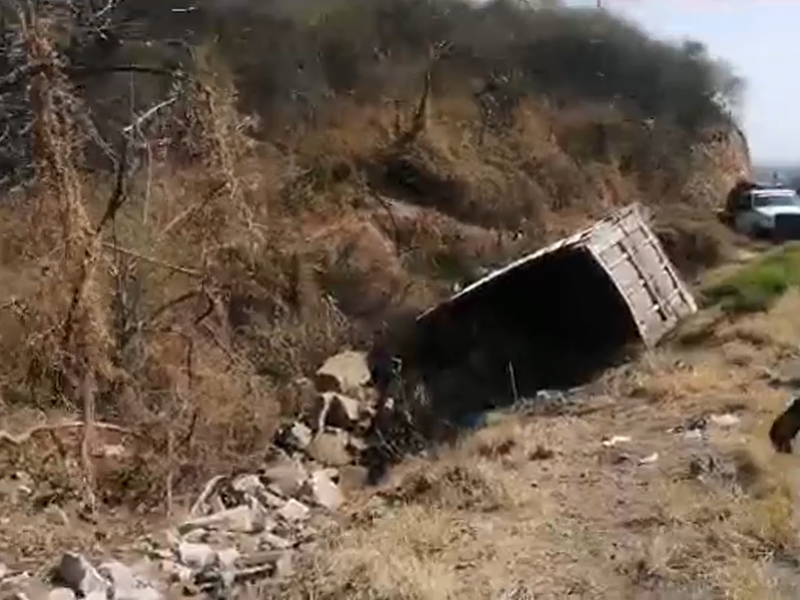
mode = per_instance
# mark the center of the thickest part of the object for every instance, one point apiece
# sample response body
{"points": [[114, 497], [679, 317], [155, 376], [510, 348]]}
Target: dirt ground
{"points": [[695, 504]]}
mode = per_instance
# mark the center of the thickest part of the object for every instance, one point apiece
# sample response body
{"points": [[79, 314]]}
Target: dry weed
{"points": [[401, 559]]}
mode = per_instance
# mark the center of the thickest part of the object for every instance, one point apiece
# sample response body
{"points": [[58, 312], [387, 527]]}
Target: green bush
{"points": [[756, 286]]}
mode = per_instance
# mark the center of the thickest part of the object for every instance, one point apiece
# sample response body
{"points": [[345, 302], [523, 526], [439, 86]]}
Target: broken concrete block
{"points": [[240, 519], [78, 574], [284, 566], [356, 444], [725, 421], [228, 558], [325, 492], [276, 542], [209, 491], [342, 412], [343, 373], [300, 436], [287, 476], [248, 484], [294, 511], [329, 448], [177, 572], [61, 593], [197, 556], [126, 585]]}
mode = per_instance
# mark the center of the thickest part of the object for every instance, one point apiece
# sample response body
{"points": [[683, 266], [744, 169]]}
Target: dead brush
{"points": [[111, 329], [67, 351], [451, 485]]}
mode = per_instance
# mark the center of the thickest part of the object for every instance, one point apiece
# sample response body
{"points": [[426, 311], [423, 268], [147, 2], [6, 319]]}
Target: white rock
{"points": [[343, 411], [80, 576], [725, 421], [126, 585], [617, 439], [276, 542], [197, 556], [649, 459], [325, 492], [284, 566], [61, 593], [177, 572], [240, 519], [228, 558], [344, 372], [248, 484], [201, 505], [300, 435], [294, 511]]}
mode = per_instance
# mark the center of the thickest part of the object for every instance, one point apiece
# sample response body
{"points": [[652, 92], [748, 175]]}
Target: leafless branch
{"points": [[153, 261]]}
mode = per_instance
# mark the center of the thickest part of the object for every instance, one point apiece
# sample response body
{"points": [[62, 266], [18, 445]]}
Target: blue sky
{"points": [[758, 38]]}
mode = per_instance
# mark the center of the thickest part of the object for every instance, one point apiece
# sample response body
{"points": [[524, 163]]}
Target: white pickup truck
{"points": [[763, 211]]}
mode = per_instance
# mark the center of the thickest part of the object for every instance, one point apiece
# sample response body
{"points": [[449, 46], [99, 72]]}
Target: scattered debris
{"points": [[650, 459], [726, 421], [78, 574], [343, 373], [614, 440], [251, 526]]}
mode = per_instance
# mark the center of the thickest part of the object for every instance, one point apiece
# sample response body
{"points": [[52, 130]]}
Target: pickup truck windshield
{"points": [[783, 199]]}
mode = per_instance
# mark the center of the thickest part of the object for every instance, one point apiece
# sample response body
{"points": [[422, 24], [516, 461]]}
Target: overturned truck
{"points": [[551, 319]]}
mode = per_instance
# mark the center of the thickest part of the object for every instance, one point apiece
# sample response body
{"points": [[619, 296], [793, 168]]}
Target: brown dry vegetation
{"points": [[173, 280], [538, 507]]}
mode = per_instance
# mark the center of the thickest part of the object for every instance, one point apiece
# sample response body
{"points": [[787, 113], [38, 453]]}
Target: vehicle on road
{"points": [[763, 211]]}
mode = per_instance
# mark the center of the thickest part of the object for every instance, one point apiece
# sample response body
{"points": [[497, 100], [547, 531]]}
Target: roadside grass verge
{"points": [[756, 286]]}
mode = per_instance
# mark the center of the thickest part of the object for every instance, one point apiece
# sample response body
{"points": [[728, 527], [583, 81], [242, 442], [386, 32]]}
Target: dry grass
{"points": [[578, 518], [233, 267]]}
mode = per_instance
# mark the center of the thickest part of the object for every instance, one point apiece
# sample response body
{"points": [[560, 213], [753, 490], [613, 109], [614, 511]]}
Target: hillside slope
{"points": [[657, 481], [217, 210]]}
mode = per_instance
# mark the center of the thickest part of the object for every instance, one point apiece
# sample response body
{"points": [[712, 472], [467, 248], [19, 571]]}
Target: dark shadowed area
{"points": [[552, 323]]}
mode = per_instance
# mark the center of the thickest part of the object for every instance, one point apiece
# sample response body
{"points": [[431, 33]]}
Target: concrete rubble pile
{"points": [[244, 529]]}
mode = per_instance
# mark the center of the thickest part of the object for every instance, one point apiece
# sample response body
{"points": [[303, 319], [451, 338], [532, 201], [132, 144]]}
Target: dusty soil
{"points": [[694, 505]]}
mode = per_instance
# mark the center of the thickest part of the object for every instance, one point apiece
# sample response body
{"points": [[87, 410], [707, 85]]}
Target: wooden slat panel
{"points": [[641, 271]]}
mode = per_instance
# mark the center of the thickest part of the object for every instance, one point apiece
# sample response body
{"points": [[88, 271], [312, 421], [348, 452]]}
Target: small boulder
{"points": [[284, 566], [197, 556], [126, 585], [61, 593], [300, 436], [250, 485], [329, 448], [78, 574], [276, 542], [343, 412], [228, 558], [343, 373], [324, 491], [725, 421], [294, 511], [240, 519]]}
